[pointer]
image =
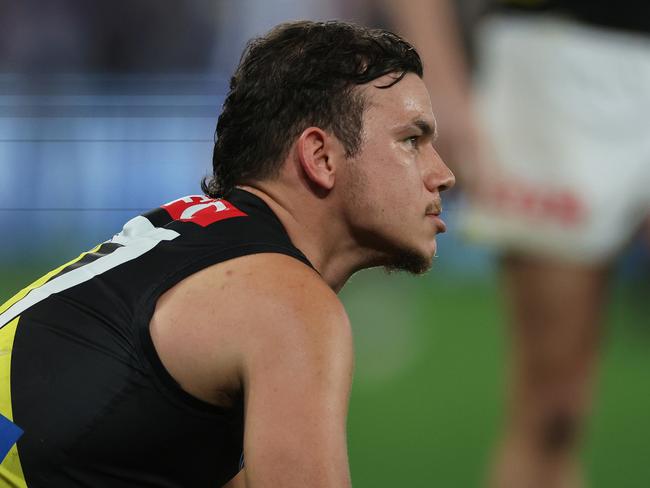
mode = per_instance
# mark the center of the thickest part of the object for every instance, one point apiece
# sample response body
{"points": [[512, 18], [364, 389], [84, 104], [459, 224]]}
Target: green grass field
{"points": [[428, 391], [430, 417]]}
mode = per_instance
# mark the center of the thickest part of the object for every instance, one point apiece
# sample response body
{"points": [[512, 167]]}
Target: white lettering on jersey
{"points": [[189, 212], [137, 237]]}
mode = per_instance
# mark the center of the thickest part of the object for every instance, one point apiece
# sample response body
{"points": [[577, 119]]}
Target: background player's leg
{"points": [[556, 311]]}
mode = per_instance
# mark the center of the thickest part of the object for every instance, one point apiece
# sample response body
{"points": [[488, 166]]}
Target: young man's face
{"points": [[397, 177]]}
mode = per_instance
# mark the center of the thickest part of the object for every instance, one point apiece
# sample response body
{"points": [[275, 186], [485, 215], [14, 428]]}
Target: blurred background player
{"points": [[560, 187]]}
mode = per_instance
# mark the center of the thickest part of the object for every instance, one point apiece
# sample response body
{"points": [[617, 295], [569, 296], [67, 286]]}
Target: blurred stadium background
{"points": [[108, 109]]}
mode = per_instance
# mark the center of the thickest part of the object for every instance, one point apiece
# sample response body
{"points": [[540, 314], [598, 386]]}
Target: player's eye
{"points": [[412, 141]]}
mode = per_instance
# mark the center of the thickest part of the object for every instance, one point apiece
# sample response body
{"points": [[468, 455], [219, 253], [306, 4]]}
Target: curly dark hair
{"points": [[300, 74]]}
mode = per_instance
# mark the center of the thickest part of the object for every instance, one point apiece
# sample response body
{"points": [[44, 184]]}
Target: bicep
{"points": [[297, 379]]}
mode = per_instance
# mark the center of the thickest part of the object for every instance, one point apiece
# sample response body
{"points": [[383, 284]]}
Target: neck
{"points": [[317, 231]]}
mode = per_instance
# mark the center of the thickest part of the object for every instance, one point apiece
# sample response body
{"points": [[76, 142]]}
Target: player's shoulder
{"points": [[277, 299], [292, 320], [239, 314], [258, 288], [278, 282]]}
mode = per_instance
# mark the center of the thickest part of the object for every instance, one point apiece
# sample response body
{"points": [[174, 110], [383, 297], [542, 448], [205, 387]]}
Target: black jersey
{"points": [[84, 398]]}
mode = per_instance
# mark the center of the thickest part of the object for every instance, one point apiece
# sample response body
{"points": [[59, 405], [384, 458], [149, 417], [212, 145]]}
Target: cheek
{"points": [[406, 187], [389, 187], [400, 196]]}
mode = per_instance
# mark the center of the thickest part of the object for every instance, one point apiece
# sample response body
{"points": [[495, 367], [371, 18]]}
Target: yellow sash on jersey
{"points": [[42, 280], [11, 473]]}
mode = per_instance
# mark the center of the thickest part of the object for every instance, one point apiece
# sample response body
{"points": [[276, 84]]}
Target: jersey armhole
{"points": [[163, 380]]}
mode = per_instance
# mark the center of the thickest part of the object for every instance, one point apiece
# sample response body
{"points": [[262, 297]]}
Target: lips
{"points": [[433, 211], [438, 222]]}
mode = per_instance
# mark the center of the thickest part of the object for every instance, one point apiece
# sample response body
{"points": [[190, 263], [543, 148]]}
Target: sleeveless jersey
{"points": [[84, 398]]}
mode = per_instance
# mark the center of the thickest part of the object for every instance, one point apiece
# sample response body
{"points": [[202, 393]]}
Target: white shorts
{"points": [[566, 108]]}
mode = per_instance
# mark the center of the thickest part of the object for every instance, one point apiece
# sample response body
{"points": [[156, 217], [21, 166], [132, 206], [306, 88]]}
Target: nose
{"points": [[438, 176]]}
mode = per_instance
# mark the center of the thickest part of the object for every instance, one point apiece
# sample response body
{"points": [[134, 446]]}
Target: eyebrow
{"points": [[426, 128]]}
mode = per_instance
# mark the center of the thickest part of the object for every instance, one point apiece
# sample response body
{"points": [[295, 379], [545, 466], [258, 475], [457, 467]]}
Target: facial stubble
{"points": [[394, 256]]}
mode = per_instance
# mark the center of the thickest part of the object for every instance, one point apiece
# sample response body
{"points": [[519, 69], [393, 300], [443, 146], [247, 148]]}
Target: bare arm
{"points": [[268, 325], [297, 370], [431, 26]]}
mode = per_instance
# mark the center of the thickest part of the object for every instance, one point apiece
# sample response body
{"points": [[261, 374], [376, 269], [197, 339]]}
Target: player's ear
{"points": [[317, 154]]}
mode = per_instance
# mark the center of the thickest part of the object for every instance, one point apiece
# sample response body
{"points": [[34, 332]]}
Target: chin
{"points": [[410, 260]]}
